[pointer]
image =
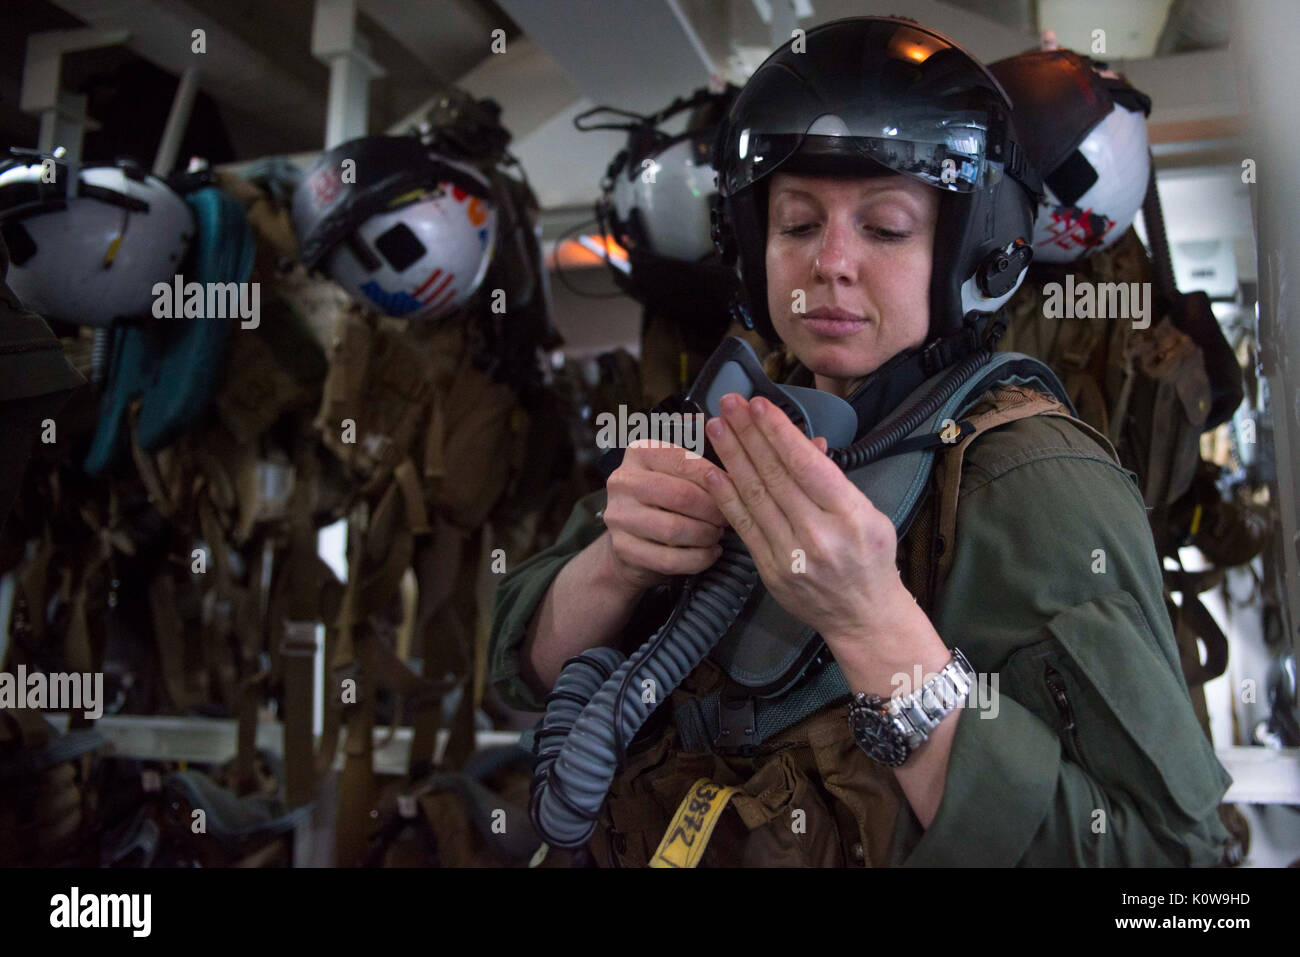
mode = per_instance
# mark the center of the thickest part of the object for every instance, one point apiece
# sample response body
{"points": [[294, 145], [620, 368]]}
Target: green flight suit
{"points": [[1054, 591]]}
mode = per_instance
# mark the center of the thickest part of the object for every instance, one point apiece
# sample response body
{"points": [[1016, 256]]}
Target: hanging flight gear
{"points": [[203, 537], [173, 368], [656, 200], [475, 817], [431, 423], [401, 229], [42, 789], [1086, 135], [36, 379], [87, 244]]}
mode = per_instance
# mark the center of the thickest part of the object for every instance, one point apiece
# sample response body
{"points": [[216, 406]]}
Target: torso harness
{"points": [[724, 612]]}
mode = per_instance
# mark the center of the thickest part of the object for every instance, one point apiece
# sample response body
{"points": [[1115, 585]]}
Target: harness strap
{"points": [[701, 721], [1011, 402], [691, 827]]}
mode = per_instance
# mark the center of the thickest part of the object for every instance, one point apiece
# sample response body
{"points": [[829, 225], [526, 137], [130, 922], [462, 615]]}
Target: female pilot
{"points": [[1000, 686]]}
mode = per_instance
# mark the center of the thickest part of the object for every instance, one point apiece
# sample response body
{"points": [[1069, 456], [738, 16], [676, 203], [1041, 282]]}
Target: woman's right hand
{"points": [[661, 520]]}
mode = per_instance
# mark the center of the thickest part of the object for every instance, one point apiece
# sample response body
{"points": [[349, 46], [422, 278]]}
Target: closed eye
{"points": [[886, 235]]}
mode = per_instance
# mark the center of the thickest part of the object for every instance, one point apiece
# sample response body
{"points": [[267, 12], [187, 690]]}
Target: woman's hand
{"points": [[661, 517], [823, 550]]}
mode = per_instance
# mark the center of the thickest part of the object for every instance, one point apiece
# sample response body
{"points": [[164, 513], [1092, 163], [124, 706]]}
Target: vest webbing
{"points": [[925, 550]]}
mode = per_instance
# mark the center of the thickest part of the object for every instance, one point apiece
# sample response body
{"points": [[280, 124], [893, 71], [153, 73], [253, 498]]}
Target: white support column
{"points": [[177, 119], [782, 24], [336, 41], [63, 115], [781, 17]]}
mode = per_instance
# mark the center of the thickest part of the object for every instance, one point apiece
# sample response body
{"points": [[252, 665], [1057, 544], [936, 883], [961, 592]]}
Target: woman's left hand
{"points": [[824, 551]]}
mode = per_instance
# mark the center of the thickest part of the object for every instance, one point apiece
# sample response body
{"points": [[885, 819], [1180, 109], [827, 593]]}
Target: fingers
{"points": [[657, 525], [741, 518], [671, 459], [660, 521], [814, 474], [638, 553], [763, 480], [665, 487]]}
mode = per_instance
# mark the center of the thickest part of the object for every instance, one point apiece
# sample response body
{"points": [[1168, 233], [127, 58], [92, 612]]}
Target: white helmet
{"points": [[91, 254], [657, 200], [668, 196], [413, 236], [1116, 149], [1085, 130]]}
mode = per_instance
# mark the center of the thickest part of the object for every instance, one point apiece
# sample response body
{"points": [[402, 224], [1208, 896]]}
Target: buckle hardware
{"points": [[737, 725]]}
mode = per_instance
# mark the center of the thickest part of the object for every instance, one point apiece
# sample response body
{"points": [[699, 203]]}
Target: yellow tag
{"points": [[111, 254], [692, 826], [1196, 519], [407, 197]]}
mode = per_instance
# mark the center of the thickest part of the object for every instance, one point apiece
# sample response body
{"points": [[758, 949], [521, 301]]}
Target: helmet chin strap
{"points": [[882, 390]]}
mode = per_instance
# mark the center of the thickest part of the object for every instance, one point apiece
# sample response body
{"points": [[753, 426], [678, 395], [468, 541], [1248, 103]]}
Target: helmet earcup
{"points": [[741, 239], [984, 225]]}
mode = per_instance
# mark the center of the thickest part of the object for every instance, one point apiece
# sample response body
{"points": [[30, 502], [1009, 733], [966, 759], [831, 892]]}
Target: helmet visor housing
{"points": [[883, 94]]}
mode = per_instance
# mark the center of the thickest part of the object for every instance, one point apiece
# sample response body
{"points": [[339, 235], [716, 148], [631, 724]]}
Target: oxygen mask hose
{"points": [[589, 714]]}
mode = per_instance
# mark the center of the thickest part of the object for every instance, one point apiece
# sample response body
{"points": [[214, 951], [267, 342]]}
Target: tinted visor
{"points": [[869, 92]]}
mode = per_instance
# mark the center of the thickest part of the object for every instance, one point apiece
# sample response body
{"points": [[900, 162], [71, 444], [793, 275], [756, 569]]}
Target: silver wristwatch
{"points": [[890, 729]]}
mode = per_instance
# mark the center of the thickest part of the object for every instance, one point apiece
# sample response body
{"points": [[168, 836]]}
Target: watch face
{"points": [[879, 737]]}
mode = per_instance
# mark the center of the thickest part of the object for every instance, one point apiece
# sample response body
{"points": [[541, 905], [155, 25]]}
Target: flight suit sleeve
{"points": [[1079, 745], [521, 591]]}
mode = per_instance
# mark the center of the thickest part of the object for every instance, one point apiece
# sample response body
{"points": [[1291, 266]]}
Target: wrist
{"points": [[615, 574], [891, 614], [896, 656]]}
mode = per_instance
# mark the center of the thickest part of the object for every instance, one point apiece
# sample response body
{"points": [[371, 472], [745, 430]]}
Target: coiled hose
{"points": [[589, 715]]}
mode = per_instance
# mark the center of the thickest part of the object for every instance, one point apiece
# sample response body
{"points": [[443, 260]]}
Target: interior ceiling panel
{"points": [[264, 89], [1131, 29], [637, 56]]}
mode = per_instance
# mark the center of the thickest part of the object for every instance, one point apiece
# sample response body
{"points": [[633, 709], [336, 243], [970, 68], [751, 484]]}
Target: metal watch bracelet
{"points": [[925, 707]]}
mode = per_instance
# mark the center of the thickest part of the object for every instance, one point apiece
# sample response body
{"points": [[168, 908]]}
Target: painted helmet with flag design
{"points": [[402, 229], [88, 244]]}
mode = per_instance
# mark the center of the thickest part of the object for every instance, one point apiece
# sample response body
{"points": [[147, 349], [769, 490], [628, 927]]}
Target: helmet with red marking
{"points": [[1085, 130]]}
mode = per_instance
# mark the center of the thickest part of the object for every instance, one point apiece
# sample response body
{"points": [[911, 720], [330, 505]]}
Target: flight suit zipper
{"points": [[1056, 685]]}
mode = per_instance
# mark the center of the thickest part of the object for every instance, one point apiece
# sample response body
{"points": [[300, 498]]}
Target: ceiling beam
{"points": [[436, 32], [235, 73], [634, 54]]}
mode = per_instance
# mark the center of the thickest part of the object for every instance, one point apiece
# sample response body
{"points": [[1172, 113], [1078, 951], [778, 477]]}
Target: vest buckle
{"points": [[737, 724]]}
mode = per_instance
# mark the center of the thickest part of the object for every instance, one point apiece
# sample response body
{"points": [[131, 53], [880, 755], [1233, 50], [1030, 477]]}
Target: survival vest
{"points": [[771, 682]]}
